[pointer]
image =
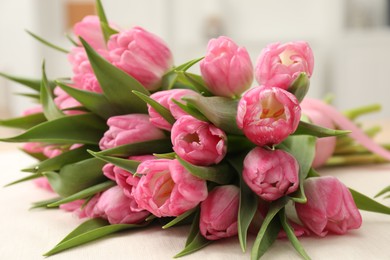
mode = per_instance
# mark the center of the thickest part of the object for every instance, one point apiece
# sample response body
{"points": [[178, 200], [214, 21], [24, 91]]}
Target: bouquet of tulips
{"points": [[131, 140]]}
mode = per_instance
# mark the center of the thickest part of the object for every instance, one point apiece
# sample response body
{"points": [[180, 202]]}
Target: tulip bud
{"points": [[271, 174], [280, 64], [219, 213], [329, 207], [90, 30], [65, 102], [226, 69], [142, 55], [268, 115], [165, 98], [198, 142], [127, 129]]}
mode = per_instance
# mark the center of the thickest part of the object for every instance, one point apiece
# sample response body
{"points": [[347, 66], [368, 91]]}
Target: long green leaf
{"points": [[116, 84], [76, 177], [180, 218], [84, 193], [291, 236], [106, 29], [126, 164], [27, 178], [43, 203], [163, 111], [147, 147], [94, 102], [194, 230], [197, 82], [300, 86], [365, 203], [383, 191], [305, 128], [197, 243], [50, 109], [51, 45], [89, 231], [221, 173], [84, 129], [269, 230], [24, 122], [191, 110], [34, 84]]}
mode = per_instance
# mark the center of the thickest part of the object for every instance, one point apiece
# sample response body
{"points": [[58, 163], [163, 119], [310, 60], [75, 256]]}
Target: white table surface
{"points": [[27, 234]]}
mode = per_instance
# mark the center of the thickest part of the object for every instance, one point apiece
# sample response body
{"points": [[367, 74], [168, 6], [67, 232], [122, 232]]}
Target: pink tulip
{"points": [[165, 98], [43, 183], [33, 147], [90, 30], [63, 101], [268, 115], [280, 64], [219, 213], [270, 174], [123, 178], [329, 208], [167, 189], [142, 55], [198, 142], [33, 110], [227, 68], [127, 129], [117, 208], [324, 146]]}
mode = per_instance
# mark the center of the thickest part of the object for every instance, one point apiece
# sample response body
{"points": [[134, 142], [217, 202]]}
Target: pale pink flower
{"points": [[64, 102], [167, 189], [33, 147], [165, 98], [324, 146], [268, 115], [117, 208], [329, 207], [43, 183], [127, 129], [33, 110], [219, 213], [280, 64], [227, 68], [90, 30], [142, 55], [271, 174], [198, 142]]}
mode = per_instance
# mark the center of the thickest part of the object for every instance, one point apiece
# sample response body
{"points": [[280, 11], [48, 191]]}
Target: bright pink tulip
{"points": [[117, 208], [142, 55], [167, 189], [165, 98], [329, 208], [219, 213], [124, 178], [271, 174], [227, 68], [268, 115], [198, 142], [280, 64], [127, 129], [63, 101], [324, 146], [90, 30]]}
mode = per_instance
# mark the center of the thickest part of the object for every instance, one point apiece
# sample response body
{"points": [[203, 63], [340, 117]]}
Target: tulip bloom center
{"points": [[192, 138], [272, 108], [285, 57]]}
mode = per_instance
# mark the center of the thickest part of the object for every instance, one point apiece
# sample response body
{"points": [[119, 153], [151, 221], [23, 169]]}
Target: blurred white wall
{"points": [[350, 52]]}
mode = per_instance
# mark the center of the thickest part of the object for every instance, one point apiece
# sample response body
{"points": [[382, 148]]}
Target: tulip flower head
{"points": [[268, 115]]}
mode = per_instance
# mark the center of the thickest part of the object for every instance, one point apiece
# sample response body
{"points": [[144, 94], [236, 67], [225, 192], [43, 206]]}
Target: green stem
{"points": [[355, 159], [356, 112]]}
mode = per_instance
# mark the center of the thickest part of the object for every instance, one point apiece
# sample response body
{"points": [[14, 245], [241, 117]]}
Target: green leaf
{"points": [[147, 147], [84, 193], [89, 231], [191, 110], [197, 243], [300, 86], [194, 230], [188, 65], [221, 173], [44, 203], [71, 40], [106, 29], [34, 84], [180, 218], [37, 97], [165, 155], [365, 203], [84, 129], [24, 122], [269, 229], [27, 178], [302, 148], [116, 84], [50, 109], [76, 177], [126, 164], [94, 102], [197, 82], [239, 143], [305, 128], [163, 111], [218, 110], [291, 235], [51, 45], [383, 191], [56, 163]]}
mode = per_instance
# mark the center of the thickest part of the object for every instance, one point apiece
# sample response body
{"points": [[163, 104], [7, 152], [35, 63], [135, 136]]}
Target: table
{"points": [[27, 234]]}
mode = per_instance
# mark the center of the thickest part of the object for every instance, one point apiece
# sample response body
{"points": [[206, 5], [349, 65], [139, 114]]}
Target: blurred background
{"points": [[350, 38]]}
